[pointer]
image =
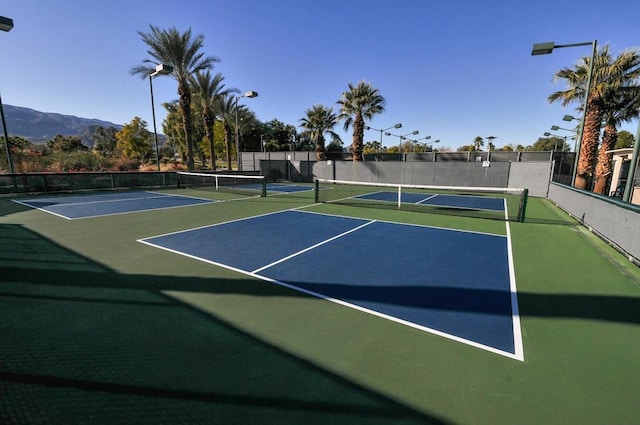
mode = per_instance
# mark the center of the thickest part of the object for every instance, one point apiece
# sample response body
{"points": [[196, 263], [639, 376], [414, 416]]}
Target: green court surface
{"points": [[98, 328]]}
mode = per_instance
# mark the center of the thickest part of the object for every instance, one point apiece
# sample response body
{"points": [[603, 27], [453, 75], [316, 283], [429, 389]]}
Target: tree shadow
{"points": [[82, 343]]}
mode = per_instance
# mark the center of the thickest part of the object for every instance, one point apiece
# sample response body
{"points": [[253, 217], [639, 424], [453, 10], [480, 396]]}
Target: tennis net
{"points": [[483, 202], [236, 183]]}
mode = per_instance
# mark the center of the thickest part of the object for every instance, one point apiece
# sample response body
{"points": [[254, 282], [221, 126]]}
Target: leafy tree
{"points": [[105, 141], [208, 91], [553, 143], [625, 140], [320, 120], [172, 127], [467, 148], [279, 136], [335, 146], [247, 121], [183, 52], [357, 105], [608, 75], [66, 144], [134, 140], [373, 146]]}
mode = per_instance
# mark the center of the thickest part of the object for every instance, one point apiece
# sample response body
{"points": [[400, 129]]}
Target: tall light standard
{"points": [[558, 136], [547, 48], [417, 140], [249, 94], [575, 132], [381, 130], [489, 144], [161, 69], [6, 24], [626, 197], [403, 136]]}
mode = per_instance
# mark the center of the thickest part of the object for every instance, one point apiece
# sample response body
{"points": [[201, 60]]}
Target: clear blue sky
{"points": [[453, 70]]}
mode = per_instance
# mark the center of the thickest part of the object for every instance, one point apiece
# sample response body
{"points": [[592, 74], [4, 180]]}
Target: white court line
{"points": [[515, 311], [295, 254], [426, 199], [41, 209], [518, 353]]}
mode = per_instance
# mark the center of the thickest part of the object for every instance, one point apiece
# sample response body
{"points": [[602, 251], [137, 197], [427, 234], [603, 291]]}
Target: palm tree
{"points": [[208, 91], [320, 120], [358, 104], [182, 52], [621, 104], [226, 107], [478, 142], [608, 77]]}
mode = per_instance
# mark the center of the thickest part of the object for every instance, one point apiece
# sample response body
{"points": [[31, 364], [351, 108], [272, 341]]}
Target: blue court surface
{"points": [[452, 201], [96, 205], [287, 188], [276, 187], [456, 284]]}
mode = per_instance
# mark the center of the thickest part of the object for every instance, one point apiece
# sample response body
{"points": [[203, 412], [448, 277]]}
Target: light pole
{"points": [[249, 94], [626, 197], [403, 136], [417, 140], [161, 69], [381, 130], [575, 136], [556, 128], [547, 134], [547, 48], [6, 24], [490, 139]]}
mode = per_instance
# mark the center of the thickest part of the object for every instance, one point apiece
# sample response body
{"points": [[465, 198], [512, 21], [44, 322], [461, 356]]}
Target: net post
{"points": [[264, 187], [316, 189], [399, 196], [523, 205]]}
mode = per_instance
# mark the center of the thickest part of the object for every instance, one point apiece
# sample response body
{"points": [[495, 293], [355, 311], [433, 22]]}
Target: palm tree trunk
{"points": [[358, 136], [589, 145], [320, 149], [185, 108], [603, 167], [209, 128], [227, 144]]}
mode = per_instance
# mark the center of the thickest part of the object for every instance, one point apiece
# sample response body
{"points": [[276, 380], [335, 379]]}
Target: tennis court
{"points": [[280, 309], [454, 201], [443, 292], [101, 204]]}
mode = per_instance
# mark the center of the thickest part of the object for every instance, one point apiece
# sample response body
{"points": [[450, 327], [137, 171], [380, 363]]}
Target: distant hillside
{"points": [[40, 127]]}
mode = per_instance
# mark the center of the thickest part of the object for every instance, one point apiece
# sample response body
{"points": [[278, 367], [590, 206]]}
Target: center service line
{"points": [[312, 247]]}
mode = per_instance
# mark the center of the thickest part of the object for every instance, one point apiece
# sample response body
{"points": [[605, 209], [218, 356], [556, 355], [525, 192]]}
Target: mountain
{"points": [[40, 127]]}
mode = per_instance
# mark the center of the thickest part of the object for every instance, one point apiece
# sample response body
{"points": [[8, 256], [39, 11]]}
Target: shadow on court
{"points": [[80, 343]]}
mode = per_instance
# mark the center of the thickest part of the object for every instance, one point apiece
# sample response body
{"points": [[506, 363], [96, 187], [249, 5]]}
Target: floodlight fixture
{"points": [[251, 94], [547, 47], [542, 48], [6, 24], [381, 130], [162, 69]]}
